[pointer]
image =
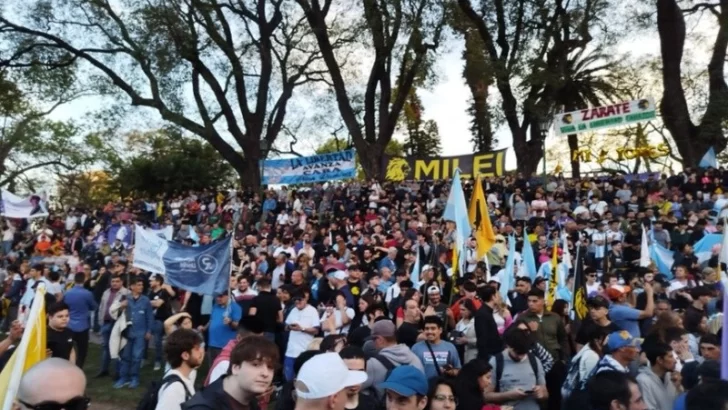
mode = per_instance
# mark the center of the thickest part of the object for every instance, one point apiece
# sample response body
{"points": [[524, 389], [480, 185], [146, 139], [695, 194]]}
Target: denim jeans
{"points": [[105, 355], [288, 368], [158, 334], [7, 247], [131, 358]]}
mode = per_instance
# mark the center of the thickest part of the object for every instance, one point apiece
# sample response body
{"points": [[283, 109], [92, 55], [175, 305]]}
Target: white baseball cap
{"points": [[325, 375], [339, 274]]}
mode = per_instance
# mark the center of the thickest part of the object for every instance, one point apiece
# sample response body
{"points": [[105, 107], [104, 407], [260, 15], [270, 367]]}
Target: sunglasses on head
{"points": [[76, 403]]}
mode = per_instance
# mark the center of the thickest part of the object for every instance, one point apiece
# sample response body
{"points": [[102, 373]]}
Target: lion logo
{"points": [[397, 169], [567, 119], [643, 104]]}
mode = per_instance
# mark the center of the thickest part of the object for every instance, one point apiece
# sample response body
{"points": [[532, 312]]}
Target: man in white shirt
{"points": [[303, 323], [185, 353], [36, 275]]}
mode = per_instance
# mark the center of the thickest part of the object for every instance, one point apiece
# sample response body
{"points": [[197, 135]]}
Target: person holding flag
{"points": [[457, 213]]}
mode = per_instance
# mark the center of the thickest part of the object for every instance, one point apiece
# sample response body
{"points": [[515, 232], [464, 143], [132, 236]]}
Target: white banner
{"points": [[166, 232], [33, 206], [149, 249], [608, 116]]}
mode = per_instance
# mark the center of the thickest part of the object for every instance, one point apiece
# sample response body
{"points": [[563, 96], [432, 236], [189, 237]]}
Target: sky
{"points": [[446, 102]]}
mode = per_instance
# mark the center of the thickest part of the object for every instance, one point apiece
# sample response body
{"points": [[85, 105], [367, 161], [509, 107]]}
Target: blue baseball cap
{"points": [[622, 338], [406, 380]]}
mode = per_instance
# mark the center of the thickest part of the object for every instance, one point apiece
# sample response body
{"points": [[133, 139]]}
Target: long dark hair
{"points": [[469, 393]]}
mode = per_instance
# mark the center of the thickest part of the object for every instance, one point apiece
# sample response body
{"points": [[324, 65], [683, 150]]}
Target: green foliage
{"points": [[423, 137], [30, 140], [162, 162]]}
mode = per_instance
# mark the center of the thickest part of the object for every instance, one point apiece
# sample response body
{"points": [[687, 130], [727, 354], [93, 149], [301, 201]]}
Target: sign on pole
{"points": [[608, 116]]}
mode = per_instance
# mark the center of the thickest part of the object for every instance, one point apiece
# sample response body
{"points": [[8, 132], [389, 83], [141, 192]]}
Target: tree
{"points": [[478, 75], [335, 144], [222, 70], [162, 162], [403, 36], [531, 42], [693, 140], [29, 139], [586, 80], [423, 137], [85, 189]]}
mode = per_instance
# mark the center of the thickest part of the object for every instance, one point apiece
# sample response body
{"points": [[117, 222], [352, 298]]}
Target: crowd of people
{"points": [[344, 296]]}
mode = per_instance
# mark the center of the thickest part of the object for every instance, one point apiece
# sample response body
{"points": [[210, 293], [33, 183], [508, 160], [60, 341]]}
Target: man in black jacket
{"points": [[486, 330], [252, 365]]}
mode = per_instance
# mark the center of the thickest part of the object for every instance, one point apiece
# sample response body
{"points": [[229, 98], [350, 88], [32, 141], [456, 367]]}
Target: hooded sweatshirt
{"points": [[398, 354], [657, 394]]}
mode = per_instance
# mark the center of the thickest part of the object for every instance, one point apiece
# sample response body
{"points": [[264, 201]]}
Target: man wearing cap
{"points": [[389, 355], [323, 381], [223, 323], [437, 308], [625, 316], [339, 282], [405, 389], [622, 349], [598, 315], [303, 324]]}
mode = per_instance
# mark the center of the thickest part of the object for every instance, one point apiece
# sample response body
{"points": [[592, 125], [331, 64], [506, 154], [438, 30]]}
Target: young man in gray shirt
{"points": [[522, 381]]}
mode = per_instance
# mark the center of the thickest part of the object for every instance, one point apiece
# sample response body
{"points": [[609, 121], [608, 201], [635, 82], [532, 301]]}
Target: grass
{"points": [[103, 395]]}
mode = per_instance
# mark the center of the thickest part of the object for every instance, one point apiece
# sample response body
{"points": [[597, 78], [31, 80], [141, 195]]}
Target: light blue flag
{"points": [[663, 259], [704, 248], [415, 277], [204, 270], [709, 160], [194, 237], [457, 211], [529, 260], [506, 278]]}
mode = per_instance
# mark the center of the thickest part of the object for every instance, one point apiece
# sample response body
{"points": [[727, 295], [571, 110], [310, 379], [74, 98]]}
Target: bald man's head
{"points": [[56, 380]]}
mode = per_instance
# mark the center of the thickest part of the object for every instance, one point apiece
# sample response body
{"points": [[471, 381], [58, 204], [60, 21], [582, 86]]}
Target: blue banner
{"points": [[204, 269], [316, 168]]}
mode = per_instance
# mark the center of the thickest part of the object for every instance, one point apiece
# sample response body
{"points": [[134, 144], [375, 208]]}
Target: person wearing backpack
{"points": [[518, 378], [389, 355], [184, 352], [252, 364], [586, 360]]}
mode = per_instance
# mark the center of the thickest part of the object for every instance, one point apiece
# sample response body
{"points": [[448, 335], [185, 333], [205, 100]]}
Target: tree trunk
{"points": [[573, 148], [692, 140], [370, 160], [250, 174], [528, 153]]}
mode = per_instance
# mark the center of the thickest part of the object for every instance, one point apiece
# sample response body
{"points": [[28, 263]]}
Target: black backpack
{"points": [[151, 397], [499, 368], [380, 401]]}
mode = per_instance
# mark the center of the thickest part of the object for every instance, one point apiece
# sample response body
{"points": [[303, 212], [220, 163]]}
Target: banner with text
{"points": [[203, 269], [316, 168], [33, 206], [431, 168], [609, 116]]}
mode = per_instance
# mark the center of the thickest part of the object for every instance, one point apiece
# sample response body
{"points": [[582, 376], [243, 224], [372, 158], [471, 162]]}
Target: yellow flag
{"points": [[30, 350], [479, 217], [554, 282], [454, 260]]}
